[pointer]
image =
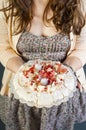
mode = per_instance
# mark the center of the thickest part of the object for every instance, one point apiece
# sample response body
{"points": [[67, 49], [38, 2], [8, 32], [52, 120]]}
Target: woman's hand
{"points": [[14, 64], [74, 62]]}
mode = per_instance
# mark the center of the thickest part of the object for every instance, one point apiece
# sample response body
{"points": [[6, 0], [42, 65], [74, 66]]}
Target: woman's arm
{"points": [[77, 58], [14, 64], [74, 62], [8, 56]]}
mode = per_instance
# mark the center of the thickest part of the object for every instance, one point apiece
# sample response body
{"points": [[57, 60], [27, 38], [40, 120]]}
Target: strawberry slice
{"points": [[31, 69], [25, 73]]}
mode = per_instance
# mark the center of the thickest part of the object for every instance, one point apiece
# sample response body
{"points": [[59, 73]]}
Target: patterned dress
{"points": [[62, 117]]}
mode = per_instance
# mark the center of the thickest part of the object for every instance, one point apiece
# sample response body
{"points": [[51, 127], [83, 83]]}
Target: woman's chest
{"points": [[50, 47], [42, 28]]}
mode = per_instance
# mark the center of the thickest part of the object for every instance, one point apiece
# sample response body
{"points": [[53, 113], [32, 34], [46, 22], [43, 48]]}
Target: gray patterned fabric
{"points": [[2, 107], [22, 117], [48, 48]]}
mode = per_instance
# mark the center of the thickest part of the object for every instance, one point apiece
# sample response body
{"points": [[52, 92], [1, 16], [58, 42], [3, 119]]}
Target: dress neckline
{"points": [[44, 37]]}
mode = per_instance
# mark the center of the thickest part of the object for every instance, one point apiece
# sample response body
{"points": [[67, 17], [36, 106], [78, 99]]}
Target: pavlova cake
{"points": [[43, 83]]}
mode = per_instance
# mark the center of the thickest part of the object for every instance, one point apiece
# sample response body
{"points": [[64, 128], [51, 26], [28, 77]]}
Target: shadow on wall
{"points": [[1, 73], [2, 126], [81, 126]]}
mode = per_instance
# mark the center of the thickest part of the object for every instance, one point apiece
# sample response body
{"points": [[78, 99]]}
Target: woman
{"points": [[27, 27]]}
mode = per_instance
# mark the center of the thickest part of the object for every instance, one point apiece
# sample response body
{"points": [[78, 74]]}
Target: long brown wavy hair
{"points": [[67, 14]]}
